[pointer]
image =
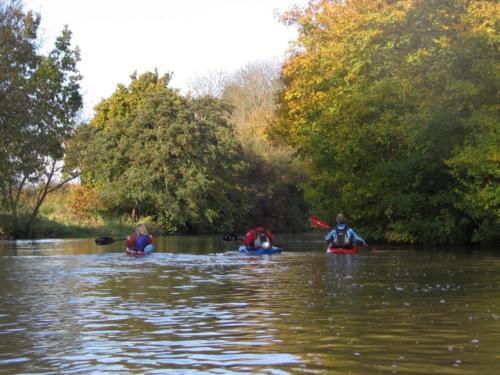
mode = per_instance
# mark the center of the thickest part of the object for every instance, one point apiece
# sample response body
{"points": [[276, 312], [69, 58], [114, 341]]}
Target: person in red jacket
{"points": [[140, 240], [260, 236]]}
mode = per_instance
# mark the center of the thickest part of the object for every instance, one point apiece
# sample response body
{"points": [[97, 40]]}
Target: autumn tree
{"points": [[393, 106], [273, 173]]}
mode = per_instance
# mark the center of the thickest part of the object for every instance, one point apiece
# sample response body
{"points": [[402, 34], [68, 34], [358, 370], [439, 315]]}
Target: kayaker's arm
{"points": [[269, 234], [357, 238], [249, 238], [131, 240], [330, 236]]}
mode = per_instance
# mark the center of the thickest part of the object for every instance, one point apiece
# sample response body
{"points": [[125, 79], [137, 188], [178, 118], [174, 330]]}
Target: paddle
{"points": [[109, 240], [228, 237], [319, 223], [322, 225]]}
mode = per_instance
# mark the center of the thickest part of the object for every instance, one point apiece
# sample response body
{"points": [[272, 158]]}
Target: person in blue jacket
{"points": [[342, 236]]}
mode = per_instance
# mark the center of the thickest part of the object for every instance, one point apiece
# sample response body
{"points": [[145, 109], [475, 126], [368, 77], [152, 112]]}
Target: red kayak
{"points": [[339, 250], [133, 253]]}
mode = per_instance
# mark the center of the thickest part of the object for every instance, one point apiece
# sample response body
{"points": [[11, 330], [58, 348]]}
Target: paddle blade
{"points": [[229, 237], [319, 223], [104, 240]]}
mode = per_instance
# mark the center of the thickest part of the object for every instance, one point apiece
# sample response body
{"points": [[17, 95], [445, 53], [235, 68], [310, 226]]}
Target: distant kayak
{"points": [[340, 250], [259, 251]]}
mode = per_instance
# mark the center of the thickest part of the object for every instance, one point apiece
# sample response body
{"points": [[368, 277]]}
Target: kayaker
{"points": [[342, 236], [140, 240], [259, 237]]}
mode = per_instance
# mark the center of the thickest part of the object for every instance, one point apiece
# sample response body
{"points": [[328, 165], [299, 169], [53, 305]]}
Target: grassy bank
{"points": [[71, 212], [48, 228]]}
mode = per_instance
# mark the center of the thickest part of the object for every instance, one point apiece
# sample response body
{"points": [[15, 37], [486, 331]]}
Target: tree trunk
{"points": [[43, 194]]}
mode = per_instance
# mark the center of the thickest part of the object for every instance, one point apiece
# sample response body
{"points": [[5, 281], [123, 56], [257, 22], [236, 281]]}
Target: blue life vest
{"points": [[141, 242]]}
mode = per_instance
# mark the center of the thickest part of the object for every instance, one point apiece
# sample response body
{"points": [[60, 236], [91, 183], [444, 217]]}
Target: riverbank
{"points": [[71, 212], [48, 228]]}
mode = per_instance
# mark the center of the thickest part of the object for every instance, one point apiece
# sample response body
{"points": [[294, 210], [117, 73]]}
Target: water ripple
{"points": [[301, 312]]}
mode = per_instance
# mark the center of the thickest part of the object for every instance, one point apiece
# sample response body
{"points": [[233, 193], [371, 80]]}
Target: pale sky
{"points": [[186, 37]]}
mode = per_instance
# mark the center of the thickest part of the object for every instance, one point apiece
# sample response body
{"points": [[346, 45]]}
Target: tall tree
{"points": [[39, 102], [378, 96], [270, 179], [273, 173], [251, 91], [151, 151]]}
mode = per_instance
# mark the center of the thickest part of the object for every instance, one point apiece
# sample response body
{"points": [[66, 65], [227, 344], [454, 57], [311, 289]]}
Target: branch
{"points": [[43, 192], [72, 177]]}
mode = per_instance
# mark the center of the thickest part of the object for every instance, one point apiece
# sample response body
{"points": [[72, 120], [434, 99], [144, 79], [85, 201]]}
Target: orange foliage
{"points": [[84, 203]]}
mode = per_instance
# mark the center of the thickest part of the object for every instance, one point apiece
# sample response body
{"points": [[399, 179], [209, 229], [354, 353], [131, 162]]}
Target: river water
{"points": [[196, 306]]}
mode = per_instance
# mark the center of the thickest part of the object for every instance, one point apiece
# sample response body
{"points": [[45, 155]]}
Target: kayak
{"points": [[340, 250], [259, 251], [133, 253]]}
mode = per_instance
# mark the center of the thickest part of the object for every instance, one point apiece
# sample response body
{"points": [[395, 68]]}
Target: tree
{"points": [[251, 91], [211, 83], [151, 151], [39, 102], [268, 191], [273, 173], [378, 97], [476, 166]]}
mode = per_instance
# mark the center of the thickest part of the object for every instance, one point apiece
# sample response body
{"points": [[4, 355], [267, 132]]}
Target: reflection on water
{"points": [[189, 244], [196, 306]]}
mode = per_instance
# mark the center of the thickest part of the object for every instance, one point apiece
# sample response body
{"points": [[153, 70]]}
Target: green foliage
{"points": [[379, 98], [39, 101], [43, 228], [477, 168], [151, 151]]}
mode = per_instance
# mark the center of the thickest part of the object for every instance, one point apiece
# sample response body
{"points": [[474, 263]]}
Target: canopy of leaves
{"points": [[39, 102], [393, 105], [151, 151]]}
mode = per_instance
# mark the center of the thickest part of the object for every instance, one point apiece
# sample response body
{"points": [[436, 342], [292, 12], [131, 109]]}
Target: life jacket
{"points": [[141, 242], [341, 238], [261, 237]]}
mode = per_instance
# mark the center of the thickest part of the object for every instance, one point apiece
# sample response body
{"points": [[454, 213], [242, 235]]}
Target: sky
{"points": [[186, 37]]}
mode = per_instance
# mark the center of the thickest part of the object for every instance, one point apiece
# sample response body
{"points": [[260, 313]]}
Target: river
{"points": [[196, 306]]}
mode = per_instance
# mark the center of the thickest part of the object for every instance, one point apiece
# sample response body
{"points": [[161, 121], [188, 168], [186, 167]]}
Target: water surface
{"points": [[196, 306]]}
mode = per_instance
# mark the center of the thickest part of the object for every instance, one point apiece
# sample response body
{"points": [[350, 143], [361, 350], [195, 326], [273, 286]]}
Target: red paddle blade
{"points": [[318, 223]]}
